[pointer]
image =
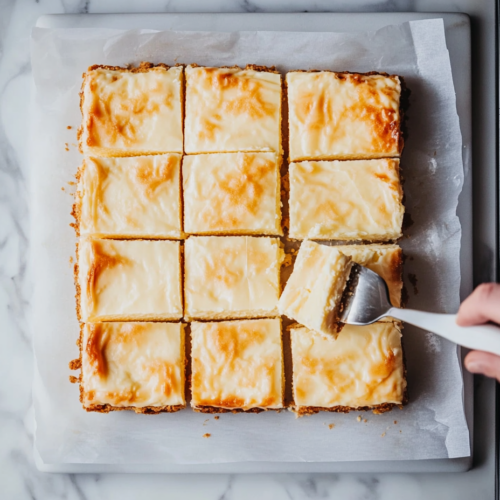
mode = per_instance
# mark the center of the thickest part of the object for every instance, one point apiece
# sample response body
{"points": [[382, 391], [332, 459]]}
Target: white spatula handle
{"points": [[482, 337]]}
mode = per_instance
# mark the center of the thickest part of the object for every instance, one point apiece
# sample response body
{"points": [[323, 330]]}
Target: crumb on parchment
{"points": [[207, 435]]}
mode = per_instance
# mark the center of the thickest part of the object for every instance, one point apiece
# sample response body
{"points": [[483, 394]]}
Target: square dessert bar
{"points": [[232, 193], [346, 200], [362, 370], [125, 280], [232, 109], [132, 366], [314, 292], [385, 260], [237, 366], [131, 112], [136, 197], [231, 277], [342, 116]]}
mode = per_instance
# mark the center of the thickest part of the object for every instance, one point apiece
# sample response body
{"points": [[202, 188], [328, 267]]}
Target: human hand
{"points": [[481, 306]]}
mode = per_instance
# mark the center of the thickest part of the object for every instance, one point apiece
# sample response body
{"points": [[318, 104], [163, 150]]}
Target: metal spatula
{"points": [[367, 300]]}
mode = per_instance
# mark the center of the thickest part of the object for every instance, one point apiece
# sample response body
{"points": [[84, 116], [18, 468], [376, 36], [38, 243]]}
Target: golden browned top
{"points": [[343, 115], [231, 192], [237, 364], [127, 113], [130, 197], [133, 364], [230, 109], [363, 367]]}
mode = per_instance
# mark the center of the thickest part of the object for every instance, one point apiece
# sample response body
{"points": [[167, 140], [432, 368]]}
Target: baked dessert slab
{"points": [[131, 112], [232, 193], [362, 370], [237, 366], [132, 366], [342, 116], [313, 293], [136, 197], [346, 200], [128, 280], [385, 260], [227, 277], [232, 109]]}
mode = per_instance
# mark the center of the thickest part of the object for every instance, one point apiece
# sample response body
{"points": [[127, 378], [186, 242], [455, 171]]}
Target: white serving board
{"points": [[457, 31]]}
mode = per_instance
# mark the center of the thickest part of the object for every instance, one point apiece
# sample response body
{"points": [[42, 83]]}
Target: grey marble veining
{"points": [[19, 478]]}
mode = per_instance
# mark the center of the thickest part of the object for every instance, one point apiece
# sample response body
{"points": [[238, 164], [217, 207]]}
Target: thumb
{"points": [[483, 362]]}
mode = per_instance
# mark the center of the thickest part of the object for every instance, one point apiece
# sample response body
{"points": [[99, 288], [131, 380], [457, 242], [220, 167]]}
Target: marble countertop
{"points": [[19, 478]]}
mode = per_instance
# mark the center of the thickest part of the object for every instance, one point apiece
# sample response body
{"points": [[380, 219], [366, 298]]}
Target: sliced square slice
{"points": [[313, 293], [135, 197], [232, 193], [385, 260], [363, 369], [343, 116], [232, 277], [237, 366], [346, 200], [128, 280], [132, 366], [232, 109], [131, 112]]}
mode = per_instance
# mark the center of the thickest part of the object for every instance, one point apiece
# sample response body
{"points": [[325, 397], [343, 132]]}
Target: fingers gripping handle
{"points": [[481, 337]]}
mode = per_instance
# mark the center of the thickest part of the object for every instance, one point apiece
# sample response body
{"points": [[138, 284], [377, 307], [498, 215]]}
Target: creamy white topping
{"points": [[232, 193], [237, 364], [232, 277], [130, 197], [343, 116], [346, 200], [127, 113], [313, 293], [232, 109], [363, 367], [129, 280], [133, 364]]}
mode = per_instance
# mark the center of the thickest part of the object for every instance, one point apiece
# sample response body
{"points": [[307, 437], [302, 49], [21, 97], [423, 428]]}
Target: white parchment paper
{"points": [[433, 425]]}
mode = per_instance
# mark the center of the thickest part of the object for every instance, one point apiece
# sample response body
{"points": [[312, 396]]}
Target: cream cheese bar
{"points": [[343, 116], [231, 277], [128, 280], [362, 370], [131, 112], [346, 200], [132, 366], [313, 294], [232, 109], [138, 197], [385, 260], [237, 366], [232, 193]]}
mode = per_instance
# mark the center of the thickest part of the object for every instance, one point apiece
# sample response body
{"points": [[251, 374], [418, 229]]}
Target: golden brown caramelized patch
{"points": [[248, 99], [239, 193], [101, 261], [151, 177], [96, 345]]}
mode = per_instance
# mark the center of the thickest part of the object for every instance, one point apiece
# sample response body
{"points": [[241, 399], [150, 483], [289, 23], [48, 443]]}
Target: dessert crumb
{"points": [[216, 417], [62, 189], [395, 422], [359, 418], [331, 426], [365, 420], [205, 422], [69, 127], [71, 260], [207, 435], [383, 434], [287, 261]]}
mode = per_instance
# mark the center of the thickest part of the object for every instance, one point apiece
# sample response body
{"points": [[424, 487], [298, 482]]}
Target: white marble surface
{"points": [[19, 478]]}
